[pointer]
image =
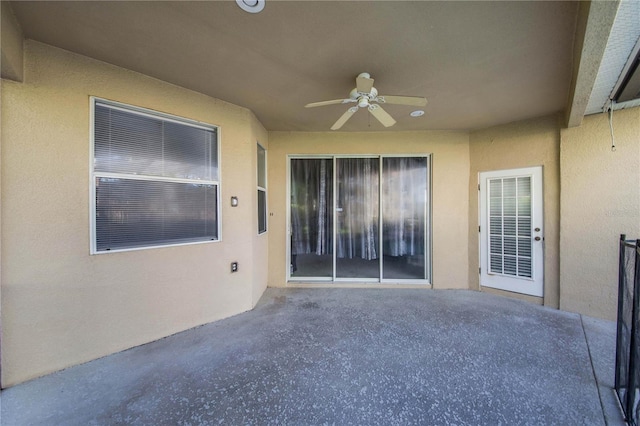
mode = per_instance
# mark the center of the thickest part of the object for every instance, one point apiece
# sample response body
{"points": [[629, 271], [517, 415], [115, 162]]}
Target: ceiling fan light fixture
{"points": [[251, 6], [363, 102]]}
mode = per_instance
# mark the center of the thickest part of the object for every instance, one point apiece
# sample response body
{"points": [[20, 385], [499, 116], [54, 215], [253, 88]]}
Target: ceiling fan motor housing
{"points": [[364, 99]]}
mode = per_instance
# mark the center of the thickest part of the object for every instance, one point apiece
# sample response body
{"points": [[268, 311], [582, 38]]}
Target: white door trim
{"points": [[533, 285]]}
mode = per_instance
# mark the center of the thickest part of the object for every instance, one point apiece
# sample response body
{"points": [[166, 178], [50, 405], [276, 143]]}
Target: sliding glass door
{"points": [[404, 217], [359, 219], [357, 233], [311, 212]]}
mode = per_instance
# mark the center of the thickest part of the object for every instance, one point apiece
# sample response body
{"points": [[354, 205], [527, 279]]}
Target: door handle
{"points": [[537, 238]]}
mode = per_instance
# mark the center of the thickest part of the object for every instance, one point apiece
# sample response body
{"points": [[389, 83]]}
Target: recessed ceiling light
{"points": [[251, 6], [417, 113]]}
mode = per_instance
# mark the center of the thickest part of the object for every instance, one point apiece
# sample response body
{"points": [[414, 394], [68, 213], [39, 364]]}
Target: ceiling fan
{"points": [[366, 96]]}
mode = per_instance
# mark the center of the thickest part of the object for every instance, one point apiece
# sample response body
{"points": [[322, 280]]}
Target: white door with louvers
{"points": [[511, 232]]}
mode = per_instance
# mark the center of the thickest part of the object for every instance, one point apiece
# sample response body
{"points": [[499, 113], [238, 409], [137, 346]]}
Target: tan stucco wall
{"points": [[600, 200], [449, 183], [61, 306], [523, 144]]}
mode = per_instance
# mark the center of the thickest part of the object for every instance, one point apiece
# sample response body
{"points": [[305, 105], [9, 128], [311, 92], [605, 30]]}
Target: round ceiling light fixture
{"points": [[417, 113], [251, 6]]}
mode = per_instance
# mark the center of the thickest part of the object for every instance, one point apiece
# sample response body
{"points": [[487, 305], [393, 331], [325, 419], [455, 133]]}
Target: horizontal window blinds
{"points": [[131, 143], [155, 180], [134, 213], [510, 242]]}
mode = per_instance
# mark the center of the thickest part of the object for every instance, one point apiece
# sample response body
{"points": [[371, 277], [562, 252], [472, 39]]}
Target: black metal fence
{"points": [[628, 337]]}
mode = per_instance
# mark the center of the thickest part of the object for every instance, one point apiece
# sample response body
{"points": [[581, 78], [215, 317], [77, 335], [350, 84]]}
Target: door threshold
{"points": [[348, 284]]}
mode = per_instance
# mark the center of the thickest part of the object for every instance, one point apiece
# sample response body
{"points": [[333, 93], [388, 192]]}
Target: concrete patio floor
{"points": [[347, 356]]}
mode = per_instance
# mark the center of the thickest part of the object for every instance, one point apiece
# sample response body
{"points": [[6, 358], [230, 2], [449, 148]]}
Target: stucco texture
{"points": [[449, 188], [524, 144], [60, 305], [600, 200]]}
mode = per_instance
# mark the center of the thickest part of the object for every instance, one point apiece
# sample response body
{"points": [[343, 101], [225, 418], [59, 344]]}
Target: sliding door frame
{"points": [[380, 280], [427, 225], [289, 230], [335, 219]]}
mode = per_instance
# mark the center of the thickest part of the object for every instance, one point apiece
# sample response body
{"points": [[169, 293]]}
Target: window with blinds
{"points": [[262, 190], [155, 179], [510, 243]]}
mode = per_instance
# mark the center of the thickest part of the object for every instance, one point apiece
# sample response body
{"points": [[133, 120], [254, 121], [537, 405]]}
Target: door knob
{"points": [[537, 229], [537, 238]]}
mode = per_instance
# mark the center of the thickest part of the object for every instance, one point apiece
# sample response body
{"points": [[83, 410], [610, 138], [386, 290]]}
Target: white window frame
{"points": [[262, 189], [93, 174]]}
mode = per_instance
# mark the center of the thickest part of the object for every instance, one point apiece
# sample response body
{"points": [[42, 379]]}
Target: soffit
{"points": [[479, 63], [624, 36]]}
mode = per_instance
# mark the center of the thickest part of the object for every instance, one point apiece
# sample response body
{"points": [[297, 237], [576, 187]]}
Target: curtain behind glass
{"points": [[311, 206], [357, 210], [404, 192]]}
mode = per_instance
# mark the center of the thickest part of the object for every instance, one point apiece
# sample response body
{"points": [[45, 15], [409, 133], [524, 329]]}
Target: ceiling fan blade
{"points": [[347, 115], [402, 100], [364, 83], [382, 115], [331, 102]]}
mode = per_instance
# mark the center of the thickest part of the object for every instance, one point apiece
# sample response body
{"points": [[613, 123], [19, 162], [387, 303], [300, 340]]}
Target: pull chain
{"points": [[613, 138]]}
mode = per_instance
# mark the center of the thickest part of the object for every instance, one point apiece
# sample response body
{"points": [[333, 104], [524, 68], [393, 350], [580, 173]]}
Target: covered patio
{"points": [[347, 356]]}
